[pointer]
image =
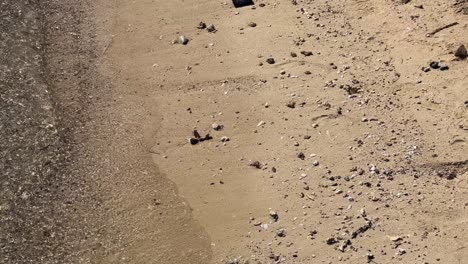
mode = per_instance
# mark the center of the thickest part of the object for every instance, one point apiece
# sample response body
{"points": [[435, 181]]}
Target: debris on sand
{"points": [[197, 138], [242, 3], [256, 164], [181, 40], [461, 52], [211, 28], [201, 25], [270, 61], [217, 127]]}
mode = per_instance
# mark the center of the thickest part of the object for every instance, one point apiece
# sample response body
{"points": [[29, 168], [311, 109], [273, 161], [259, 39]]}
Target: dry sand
{"points": [[360, 147]]}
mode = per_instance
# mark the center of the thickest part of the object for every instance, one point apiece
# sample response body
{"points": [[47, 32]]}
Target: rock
{"points": [[225, 139], [261, 123], [193, 141], [211, 28], [196, 134], [316, 163], [270, 61], [344, 245], [217, 126], [434, 65], [461, 52], [183, 40], [201, 25], [426, 69], [331, 241], [291, 104], [307, 137], [197, 138], [301, 155], [293, 54], [395, 238], [274, 215], [444, 68], [256, 164], [370, 257], [306, 53], [363, 212], [252, 24], [307, 72], [281, 232]]}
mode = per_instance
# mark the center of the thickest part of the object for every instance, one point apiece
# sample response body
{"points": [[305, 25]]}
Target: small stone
{"points": [[331, 241], [183, 40], [293, 54], [225, 139], [434, 65], [201, 25], [217, 127], [316, 163], [252, 24], [307, 137], [282, 72], [274, 215], [261, 123], [307, 72], [193, 141], [211, 28], [301, 155], [461, 52], [256, 164], [270, 61], [363, 212], [306, 53], [395, 238], [291, 104], [426, 69], [281, 232], [444, 68]]}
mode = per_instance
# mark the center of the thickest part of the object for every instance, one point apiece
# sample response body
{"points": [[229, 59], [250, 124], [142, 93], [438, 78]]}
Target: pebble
{"points": [[306, 53], [252, 24], [183, 40], [434, 65], [225, 139], [331, 241], [211, 28], [461, 52], [291, 104], [301, 155], [270, 61], [274, 215], [281, 232], [201, 25], [217, 126]]}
